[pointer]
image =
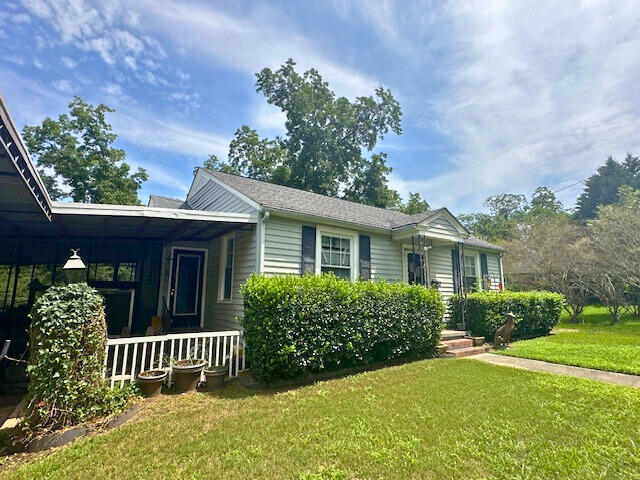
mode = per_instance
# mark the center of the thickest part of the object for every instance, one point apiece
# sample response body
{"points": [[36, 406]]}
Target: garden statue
{"points": [[503, 334]]}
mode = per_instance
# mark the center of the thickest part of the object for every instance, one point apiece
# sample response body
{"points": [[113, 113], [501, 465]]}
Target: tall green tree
{"points": [[415, 204], [544, 202], [77, 149], [325, 141], [602, 188], [370, 184]]}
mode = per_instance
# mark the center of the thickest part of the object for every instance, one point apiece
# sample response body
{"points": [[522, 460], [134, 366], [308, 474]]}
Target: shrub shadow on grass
{"points": [[247, 386]]}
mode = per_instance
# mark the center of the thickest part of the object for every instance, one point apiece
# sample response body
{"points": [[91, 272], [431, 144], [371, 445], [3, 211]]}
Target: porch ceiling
{"points": [[23, 196]]}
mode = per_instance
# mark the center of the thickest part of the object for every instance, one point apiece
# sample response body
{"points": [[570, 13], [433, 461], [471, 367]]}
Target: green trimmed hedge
{"points": [[296, 326], [538, 312]]}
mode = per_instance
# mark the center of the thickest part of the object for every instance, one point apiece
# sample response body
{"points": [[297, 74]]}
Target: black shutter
{"points": [[308, 249], [483, 265], [455, 265], [365, 257]]}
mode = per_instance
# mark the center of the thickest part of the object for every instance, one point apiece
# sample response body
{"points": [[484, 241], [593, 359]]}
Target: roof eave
{"points": [[22, 162], [324, 220]]}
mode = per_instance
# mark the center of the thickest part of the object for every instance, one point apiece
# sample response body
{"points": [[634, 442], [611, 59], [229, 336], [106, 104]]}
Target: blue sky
{"points": [[497, 96]]}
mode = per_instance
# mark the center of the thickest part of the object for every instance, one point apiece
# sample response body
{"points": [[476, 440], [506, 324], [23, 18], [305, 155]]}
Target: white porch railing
{"points": [[126, 357]]}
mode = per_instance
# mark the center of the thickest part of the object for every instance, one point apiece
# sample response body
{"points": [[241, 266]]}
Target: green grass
{"points": [[432, 419], [597, 343]]}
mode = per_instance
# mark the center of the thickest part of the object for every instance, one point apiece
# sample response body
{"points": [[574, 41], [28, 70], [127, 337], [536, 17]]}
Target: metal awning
{"points": [[84, 220], [23, 196]]}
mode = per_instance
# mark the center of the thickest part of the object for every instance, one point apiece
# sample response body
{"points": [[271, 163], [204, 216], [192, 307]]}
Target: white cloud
{"points": [[159, 175], [145, 129], [102, 29], [540, 93], [63, 86], [112, 89], [247, 44], [15, 59], [268, 117], [68, 62]]}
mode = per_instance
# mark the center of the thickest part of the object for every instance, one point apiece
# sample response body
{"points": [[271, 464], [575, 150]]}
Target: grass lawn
{"points": [[595, 344], [444, 419]]}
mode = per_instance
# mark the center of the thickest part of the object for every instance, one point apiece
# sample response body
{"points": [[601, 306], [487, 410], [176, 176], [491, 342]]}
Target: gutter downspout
{"points": [[501, 270], [263, 216]]}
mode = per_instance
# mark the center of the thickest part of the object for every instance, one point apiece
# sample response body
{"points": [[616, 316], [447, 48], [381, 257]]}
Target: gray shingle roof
{"points": [[278, 197], [166, 202], [480, 243]]}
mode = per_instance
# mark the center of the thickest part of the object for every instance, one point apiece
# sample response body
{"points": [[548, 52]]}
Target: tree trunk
{"points": [[575, 311]]}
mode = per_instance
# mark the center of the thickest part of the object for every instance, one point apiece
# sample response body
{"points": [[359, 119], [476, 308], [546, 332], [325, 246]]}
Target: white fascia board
{"points": [[64, 208], [318, 219], [405, 234], [232, 190]]}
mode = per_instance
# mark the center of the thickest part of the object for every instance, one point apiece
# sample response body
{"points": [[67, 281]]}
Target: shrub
{"points": [[537, 312], [295, 326], [67, 347]]}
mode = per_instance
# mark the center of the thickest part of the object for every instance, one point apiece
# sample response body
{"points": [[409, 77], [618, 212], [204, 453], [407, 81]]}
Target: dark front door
{"points": [[185, 298], [416, 268]]}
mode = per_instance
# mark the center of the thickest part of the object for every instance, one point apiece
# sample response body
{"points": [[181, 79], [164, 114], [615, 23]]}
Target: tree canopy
{"points": [[509, 211], [602, 188], [329, 141], [76, 150], [415, 204]]}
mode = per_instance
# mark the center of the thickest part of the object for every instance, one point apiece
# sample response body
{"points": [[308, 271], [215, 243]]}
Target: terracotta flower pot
{"points": [[215, 377], [186, 373], [150, 382]]}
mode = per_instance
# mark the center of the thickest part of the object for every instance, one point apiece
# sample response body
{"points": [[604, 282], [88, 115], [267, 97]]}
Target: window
{"points": [[470, 273], [226, 268], [102, 272], [127, 272], [335, 256]]}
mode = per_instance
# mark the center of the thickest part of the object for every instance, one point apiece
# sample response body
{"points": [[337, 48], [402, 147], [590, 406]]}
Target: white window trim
{"points": [[478, 277], [223, 261], [335, 232]]}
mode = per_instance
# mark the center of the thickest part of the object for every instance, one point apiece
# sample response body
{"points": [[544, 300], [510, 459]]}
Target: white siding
{"points": [[442, 227], [386, 259], [282, 246], [212, 197], [283, 250], [227, 315], [441, 269]]}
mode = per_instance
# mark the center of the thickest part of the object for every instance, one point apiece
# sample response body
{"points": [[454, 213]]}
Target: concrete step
{"points": [[452, 334], [465, 352], [457, 343]]}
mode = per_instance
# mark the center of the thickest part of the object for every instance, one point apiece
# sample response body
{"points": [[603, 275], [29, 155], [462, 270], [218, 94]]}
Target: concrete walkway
{"points": [[539, 366]]}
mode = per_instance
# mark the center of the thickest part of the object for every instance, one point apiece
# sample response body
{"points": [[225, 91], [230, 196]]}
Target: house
{"points": [[301, 232], [188, 258]]}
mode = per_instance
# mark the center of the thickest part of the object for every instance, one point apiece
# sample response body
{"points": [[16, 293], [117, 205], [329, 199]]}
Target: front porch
{"points": [[157, 268]]}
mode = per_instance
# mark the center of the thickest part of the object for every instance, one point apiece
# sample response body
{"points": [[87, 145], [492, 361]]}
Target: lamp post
{"points": [[74, 267]]}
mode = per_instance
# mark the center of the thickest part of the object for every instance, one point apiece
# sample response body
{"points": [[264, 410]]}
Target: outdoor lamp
{"points": [[74, 267]]}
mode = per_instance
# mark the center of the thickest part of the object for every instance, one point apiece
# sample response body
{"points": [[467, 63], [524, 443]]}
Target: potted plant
{"points": [[150, 382], [186, 373], [215, 376]]}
